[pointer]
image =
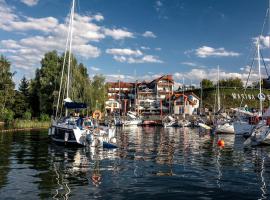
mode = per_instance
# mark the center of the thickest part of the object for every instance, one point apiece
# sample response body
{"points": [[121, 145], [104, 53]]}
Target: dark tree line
{"points": [[230, 82], [37, 97]]}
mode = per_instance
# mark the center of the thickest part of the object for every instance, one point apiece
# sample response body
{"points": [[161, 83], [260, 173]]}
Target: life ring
{"points": [[97, 115], [261, 96]]}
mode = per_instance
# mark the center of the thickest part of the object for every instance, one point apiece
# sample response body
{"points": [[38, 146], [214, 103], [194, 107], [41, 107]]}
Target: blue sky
{"points": [[186, 38]]}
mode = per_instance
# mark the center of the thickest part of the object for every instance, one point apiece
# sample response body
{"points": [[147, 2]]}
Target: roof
{"points": [[121, 84], [150, 84], [178, 94], [167, 77]]}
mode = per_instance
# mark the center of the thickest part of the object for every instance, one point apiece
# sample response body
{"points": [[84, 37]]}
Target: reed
{"points": [[19, 123]]}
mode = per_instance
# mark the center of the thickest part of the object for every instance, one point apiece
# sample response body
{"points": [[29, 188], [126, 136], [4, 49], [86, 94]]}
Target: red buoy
{"points": [[221, 143]]}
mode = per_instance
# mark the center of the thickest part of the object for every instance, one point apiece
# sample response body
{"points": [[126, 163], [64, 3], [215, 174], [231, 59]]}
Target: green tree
{"points": [[98, 92], [44, 88], [206, 83], [6, 86], [34, 94], [24, 87], [21, 100], [49, 76], [231, 82], [19, 106]]}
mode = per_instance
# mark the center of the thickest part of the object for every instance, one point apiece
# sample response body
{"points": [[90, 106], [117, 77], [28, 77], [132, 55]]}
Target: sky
{"points": [[138, 39]]}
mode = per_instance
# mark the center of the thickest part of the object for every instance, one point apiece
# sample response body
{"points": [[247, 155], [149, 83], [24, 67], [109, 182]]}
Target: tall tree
{"points": [[6, 85], [98, 92], [34, 96], [24, 87], [206, 83], [21, 100], [231, 82]]}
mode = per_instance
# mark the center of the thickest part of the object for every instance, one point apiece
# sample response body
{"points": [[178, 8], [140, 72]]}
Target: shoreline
{"points": [[21, 129]]}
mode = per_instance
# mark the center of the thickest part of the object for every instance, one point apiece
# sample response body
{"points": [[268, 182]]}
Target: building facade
{"points": [[186, 103], [143, 97]]}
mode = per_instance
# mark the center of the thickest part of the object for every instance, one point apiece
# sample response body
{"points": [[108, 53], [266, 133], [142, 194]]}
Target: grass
{"points": [[19, 123], [227, 100]]}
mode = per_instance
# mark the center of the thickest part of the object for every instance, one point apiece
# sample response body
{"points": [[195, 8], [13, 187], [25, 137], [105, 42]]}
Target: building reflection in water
{"points": [[145, 153]]}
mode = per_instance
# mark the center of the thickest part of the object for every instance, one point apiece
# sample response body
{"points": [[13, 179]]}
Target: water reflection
{"points": [[150, 162]]}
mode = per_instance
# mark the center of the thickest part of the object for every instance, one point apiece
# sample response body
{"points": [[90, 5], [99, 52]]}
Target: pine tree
{"points": [[24, 87]]}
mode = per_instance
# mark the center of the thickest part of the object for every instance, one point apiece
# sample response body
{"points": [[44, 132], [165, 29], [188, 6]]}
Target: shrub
{"points": [[27, 115], [8, 115], [44, 117]]}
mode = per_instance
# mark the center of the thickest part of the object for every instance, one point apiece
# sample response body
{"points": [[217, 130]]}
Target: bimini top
{"points": [[75, 105]]}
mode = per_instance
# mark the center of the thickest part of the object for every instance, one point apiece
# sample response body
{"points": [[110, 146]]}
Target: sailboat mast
{"points": [[201, 105], [218, 94], [260, 76], [70, 47]]}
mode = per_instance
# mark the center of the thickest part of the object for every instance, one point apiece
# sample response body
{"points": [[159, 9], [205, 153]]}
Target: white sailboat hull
{"points": [[260, 136], [132, 122], [242, 127], [170, 124], [69, 135], [225, 128]]}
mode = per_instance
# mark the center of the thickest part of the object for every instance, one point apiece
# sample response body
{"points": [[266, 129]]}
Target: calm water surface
{"points": [[151, 163]]}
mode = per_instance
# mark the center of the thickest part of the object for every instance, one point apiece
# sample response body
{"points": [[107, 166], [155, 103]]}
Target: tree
{"points": [[231, 82], [6, 86], [19, 106], [34, 94], [98, 92], [44, 88], [22, 99], [24, 87], [206, 83]]}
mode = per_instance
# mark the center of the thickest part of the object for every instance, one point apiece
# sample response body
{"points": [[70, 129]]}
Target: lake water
{"points": [[150, 163]]}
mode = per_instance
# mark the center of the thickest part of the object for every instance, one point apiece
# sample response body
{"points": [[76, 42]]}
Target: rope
{"points": [[265, 66]]}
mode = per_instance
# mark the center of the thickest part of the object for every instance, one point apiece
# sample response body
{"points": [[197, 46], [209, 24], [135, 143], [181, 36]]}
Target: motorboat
{"points": [[169, 121], [132, 119]]}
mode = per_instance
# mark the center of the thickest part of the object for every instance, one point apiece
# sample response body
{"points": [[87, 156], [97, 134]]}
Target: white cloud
{"points": [[120, 58], [264, 41], [124, 52], [145, 59], [132, 56], [158, 5], [149, 34], [40, 24], [95, 68], [30, 2], [49, 34], [197, 74], [145, 48], [193, 64], [129, 78], [206, 51], [118, 34], [189, 64], [158, 49]]}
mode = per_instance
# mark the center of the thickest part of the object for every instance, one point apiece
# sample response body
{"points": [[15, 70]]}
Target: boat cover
{"points": [[75, 105]]}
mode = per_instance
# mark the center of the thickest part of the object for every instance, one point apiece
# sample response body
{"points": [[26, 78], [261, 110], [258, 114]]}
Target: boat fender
{"points": [[50, 131], [113, 140]]}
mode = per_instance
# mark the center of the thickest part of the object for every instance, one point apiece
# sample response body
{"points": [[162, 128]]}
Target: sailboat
{"points": [[67, 130], [246, 120], [132, 119], [223, 123], [74, 129], [260, 134]]}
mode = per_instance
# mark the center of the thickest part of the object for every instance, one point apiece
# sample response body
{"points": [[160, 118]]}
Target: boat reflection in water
{"points": [[151, 162], [82, 164]]}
